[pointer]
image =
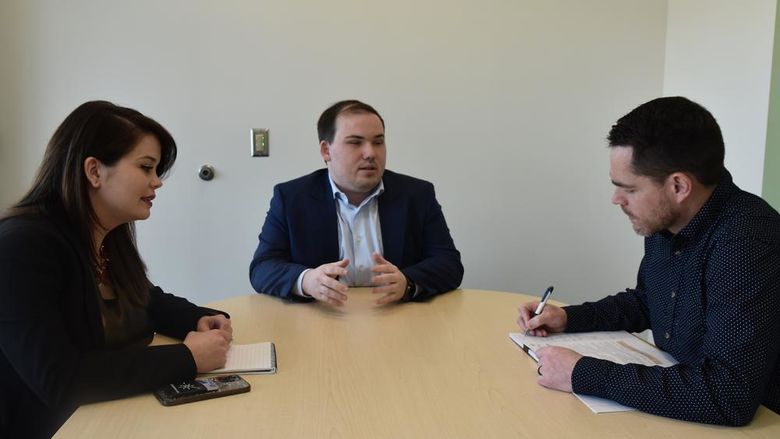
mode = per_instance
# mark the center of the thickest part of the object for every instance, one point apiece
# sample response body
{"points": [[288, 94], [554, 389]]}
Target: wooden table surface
{"points": [[441, 369]]}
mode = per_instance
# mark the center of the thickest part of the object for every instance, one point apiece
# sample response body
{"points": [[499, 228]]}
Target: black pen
{"points": [[542, 303]]}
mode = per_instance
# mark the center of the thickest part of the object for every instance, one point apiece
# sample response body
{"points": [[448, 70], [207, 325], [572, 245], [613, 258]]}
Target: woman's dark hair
{"points": [[326, 125], [107, 132], [672, 134]]}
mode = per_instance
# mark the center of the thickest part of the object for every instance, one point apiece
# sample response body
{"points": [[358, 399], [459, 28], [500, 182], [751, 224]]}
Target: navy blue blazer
{"points": [[301, 231]]}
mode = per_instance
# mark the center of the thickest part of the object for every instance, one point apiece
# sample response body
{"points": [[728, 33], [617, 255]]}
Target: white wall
{"points": [[503, 104], [12, 123], [719, 53]]}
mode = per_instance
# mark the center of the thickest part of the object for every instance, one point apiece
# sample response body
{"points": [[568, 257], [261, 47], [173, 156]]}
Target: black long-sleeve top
{"points": [[52, 345]]}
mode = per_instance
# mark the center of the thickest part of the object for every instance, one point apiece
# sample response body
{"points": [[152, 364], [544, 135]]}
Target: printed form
{"points": [[617, 346]]}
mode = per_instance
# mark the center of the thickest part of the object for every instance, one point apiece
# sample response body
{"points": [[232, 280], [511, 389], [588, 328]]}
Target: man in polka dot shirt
{"points": [[708, 285]]}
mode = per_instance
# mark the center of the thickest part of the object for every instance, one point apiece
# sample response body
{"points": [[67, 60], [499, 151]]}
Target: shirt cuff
{"points": [[589, 376], [298, 285]]}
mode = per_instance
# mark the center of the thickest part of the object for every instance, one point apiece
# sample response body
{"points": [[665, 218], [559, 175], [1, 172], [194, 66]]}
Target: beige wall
{"points": [[504, 105]]}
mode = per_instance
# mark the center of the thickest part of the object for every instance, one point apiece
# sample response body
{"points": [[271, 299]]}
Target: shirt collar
{"points": [[711, 209], [339, 195]]}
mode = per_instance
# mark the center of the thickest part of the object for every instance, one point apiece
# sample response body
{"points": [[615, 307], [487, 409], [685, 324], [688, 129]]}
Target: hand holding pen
{"points": [[539, 319]]}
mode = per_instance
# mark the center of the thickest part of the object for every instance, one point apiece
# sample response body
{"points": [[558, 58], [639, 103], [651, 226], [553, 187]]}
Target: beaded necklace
{"points": [[101, 267]]}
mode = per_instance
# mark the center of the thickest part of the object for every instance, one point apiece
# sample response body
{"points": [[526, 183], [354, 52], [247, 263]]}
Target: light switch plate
{"points": [[259, 142]]}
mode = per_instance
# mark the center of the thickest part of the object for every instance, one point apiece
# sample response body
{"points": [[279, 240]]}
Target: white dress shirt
{"points": [[360, 235]]}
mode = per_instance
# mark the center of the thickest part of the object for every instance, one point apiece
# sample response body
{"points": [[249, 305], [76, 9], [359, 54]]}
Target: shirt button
{"points": [[677, 252], [674, 293], [666, 335]]}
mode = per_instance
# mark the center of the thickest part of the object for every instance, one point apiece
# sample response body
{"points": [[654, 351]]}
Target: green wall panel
{"points": [[771, 184]]}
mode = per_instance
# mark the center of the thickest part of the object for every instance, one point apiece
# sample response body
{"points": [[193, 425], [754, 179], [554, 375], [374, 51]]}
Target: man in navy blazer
{"points": [[354, 223]]}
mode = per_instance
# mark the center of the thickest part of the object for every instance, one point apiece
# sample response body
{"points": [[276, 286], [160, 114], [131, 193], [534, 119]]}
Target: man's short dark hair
{"points": [[672, 134], [326, 125]]}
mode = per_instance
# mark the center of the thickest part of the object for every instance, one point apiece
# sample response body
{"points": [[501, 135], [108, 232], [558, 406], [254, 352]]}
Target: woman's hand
{"points": [[207, 323], [209, 348]]}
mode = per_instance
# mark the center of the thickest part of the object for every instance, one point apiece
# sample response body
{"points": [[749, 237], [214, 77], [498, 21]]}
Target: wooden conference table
{"points": [[445, 368]]}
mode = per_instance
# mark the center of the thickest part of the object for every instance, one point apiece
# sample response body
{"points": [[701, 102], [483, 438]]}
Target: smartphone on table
{"points": [[200, 389]]}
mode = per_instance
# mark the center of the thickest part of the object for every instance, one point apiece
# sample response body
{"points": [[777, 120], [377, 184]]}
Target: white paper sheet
{"points": [[617, 346]]}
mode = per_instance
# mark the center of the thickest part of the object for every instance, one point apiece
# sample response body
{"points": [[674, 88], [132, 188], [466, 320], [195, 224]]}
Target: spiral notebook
{"points": [[256, 358]]}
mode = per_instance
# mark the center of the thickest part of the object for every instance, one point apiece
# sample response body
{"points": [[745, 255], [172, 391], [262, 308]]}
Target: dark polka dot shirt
{"points": [[711, 295]]}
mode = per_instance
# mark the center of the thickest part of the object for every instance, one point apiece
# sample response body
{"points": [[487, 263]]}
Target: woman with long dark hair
{"points": [[77, 311]]}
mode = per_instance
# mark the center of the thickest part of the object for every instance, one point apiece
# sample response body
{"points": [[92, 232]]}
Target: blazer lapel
{"points": [[322, 211], [392, 219]]}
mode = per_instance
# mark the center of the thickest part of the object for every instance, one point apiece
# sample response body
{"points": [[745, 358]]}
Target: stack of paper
{"points": [[617, 346]]}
